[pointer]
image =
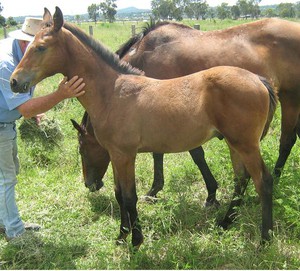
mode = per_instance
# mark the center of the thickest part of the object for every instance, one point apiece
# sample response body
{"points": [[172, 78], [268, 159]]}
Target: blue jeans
{"points": [[9, 168]]}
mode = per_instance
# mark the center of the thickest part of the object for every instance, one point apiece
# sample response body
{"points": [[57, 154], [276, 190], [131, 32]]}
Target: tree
{"points": [[196, 8], [162, 9], [167, 9], [2, 21], [244, 7], [249, 8], [270, 12], [210, 13], [93, 11], [286, 10], [235, 12], [78, 18], [297, 9], [223, 11], [108, 9], [11, 21]]}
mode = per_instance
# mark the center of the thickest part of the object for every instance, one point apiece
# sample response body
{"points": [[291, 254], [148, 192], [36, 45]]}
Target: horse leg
{"points": [[288, 137], [125, 222], [240, 184], [123, 167], [158, 182], [263, 182], [210, 182]]}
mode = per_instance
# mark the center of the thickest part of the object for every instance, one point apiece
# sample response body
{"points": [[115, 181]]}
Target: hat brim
{"points": [[20, 35]]}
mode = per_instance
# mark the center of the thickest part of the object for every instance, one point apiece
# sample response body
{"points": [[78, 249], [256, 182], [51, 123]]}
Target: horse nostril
{"points": [[13, 83], [26, 86]]}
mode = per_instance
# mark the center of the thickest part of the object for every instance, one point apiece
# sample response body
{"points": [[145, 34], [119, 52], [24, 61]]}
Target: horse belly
{"points": [[176, 136]]}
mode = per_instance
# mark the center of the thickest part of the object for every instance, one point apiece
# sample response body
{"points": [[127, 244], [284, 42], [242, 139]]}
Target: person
{"points": [[14, 106]]}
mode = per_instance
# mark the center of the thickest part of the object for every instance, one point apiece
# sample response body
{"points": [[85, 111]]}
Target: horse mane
{"points": [[109, 57], [123, 50]]}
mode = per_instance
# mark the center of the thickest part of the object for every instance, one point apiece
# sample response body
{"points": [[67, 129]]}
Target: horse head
{"points": [[95, 159], [43, 57]]}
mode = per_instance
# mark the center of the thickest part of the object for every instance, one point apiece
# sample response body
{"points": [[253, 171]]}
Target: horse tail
{"points": [[272, 104]]}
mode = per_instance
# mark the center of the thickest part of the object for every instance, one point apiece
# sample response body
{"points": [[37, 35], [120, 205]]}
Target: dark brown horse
{"points": [[132, 113], [268, 47], [95, 160]]}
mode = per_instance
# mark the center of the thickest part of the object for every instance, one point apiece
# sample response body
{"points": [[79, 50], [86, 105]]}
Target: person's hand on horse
{"points": [[72, 88]]}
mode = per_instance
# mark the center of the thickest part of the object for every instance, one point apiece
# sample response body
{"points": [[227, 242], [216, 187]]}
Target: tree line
{"points": [[199, 9], [192, 9], [9, 21]]}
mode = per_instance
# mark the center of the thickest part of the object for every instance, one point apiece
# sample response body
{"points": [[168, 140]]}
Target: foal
{"points": [[132, 113]]}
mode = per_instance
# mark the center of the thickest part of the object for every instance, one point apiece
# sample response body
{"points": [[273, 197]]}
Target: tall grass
{"points": [[79, 228]]}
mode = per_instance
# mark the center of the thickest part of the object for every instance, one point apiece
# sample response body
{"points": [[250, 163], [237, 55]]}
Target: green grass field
{"points": [[79, 228]]}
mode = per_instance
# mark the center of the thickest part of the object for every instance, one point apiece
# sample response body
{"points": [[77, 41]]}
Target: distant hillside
{"points": [[124, 13], [132, 10], [132, 13]]}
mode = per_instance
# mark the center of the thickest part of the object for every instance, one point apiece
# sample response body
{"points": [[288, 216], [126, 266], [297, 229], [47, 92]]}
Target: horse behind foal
{"points": [[268, 47], [95, 160], [132, 113]]}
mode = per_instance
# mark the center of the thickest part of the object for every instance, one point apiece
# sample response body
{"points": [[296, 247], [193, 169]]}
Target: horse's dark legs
{"points": [[125, 190], [289, 127], [125, 226], [198, 158], [286, 145], [267, 204], [158, 182], [240, 184], [211, 184], [263, 182]]}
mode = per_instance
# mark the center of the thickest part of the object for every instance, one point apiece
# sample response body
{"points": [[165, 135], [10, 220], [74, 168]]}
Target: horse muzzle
{"points": [[18, 87], [95, 186]]}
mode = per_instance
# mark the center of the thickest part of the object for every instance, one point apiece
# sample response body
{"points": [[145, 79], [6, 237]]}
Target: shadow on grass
{"points": [[102, 204], [36, 254]]}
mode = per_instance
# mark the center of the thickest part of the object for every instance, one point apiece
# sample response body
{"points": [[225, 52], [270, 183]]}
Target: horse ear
{"points": [[58, 19], [77, 127], [47, 15], [47, 18]]}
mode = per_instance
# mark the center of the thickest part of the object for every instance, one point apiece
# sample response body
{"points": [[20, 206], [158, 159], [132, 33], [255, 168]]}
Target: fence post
{"points": [[91, 30], [197, 26], [132, 30], [5, 32]]}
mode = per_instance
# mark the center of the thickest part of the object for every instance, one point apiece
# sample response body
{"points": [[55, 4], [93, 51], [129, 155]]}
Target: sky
{"points": [[16, 8]]}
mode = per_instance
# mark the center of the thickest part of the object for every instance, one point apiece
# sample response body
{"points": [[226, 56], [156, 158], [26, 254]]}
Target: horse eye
{"points": [[41, 48]]}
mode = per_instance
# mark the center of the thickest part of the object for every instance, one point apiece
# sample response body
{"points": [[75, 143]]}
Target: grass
{"points": [[79, 228]]}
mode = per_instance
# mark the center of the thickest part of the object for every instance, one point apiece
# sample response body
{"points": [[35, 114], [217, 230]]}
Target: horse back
{"points": [[268, 47]]}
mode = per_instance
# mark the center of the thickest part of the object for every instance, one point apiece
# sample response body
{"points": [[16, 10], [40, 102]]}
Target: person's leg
{"points": [[9, 167]]}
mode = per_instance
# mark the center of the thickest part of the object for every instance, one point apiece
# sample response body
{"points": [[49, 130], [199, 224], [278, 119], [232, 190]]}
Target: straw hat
{"points": [[29, 28]]}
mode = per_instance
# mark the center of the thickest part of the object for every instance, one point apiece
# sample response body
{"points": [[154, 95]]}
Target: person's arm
{"points": [[66, 89]]}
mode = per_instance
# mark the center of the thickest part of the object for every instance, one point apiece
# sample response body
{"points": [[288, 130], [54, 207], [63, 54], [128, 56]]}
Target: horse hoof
{"points": [[120, 242], [136, 243], [137, 238], [149, 199], [212, 203], [225, 223]]}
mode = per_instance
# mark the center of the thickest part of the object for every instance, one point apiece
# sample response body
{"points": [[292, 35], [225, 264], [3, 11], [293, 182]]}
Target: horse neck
{"points": [[98, 76]]}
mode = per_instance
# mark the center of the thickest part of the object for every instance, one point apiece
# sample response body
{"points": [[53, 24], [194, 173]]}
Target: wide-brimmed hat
{"points": [[29, 28]]}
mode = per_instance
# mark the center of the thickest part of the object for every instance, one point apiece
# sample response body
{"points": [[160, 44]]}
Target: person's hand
{"points": [[38, 118], [72, 88]]}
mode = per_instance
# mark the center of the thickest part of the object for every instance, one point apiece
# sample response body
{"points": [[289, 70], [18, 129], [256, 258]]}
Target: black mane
{"points": [[109, 57], [123, 50]]}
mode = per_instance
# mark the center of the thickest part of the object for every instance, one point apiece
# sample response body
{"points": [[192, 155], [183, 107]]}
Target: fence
{"points": [[133, 29]]}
